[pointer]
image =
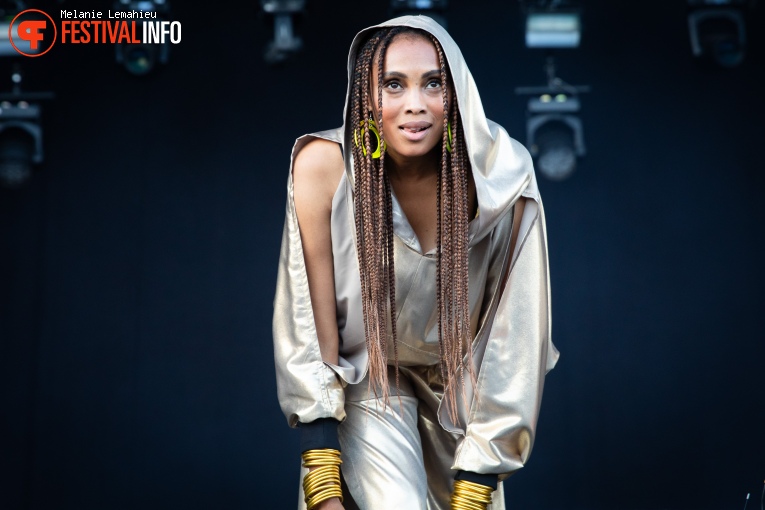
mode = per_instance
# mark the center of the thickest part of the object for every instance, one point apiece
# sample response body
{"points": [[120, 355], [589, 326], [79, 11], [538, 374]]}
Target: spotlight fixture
{"points": [[20, 141], [142, 58], [20, 133], [554, 131], [717, 30], [552, 23], [555, 134], [435, 9], [8, 10], [284, 14]]}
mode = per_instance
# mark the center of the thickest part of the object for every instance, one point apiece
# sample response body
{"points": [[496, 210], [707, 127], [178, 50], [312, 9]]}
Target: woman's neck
{"points": [[413, 169]]}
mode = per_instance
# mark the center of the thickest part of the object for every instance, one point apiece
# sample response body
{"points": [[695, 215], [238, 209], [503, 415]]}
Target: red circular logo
{"points": [[30, 32]]}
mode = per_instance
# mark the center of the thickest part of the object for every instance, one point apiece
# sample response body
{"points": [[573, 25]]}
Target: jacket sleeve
{"points": [[512, 359], [307, 387]]}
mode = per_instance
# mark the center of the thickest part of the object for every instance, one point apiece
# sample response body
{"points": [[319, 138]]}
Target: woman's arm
{"points": [[499, 429], [316, 174], [308, 388]]}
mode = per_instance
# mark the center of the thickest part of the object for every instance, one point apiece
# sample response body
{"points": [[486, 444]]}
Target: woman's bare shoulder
{"points": [[317, 170]]}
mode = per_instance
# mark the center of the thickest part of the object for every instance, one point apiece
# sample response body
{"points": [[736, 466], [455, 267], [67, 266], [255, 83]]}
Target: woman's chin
{"points": [[412, 151]]}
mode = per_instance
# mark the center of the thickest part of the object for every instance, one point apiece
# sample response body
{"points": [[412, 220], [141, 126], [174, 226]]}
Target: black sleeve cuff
{"points": [[487, 480], [321, 433]]}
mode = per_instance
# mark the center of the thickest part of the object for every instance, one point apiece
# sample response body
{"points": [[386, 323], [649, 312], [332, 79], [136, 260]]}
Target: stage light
{"points": [[8, 11], [20, 141], [554, 131], [717, 30], [552, 30], [141, 59], [6, 48], [555, 135], [552, 23], [435, 9], [285, 42], [18, 144], [20, 132]]}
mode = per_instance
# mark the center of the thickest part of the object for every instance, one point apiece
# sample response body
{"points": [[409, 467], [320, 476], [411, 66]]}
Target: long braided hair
{"points": [[374, 229]]}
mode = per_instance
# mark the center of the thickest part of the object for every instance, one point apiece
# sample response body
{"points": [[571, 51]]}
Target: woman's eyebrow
{"points": [[394, 74], [398, 74]]}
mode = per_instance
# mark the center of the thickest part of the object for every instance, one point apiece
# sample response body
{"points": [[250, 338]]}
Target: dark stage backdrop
{"points": [[137, 269]]}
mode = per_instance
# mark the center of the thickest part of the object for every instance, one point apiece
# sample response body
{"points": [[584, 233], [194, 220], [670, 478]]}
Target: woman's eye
{"points": [[432, 84], [393, 85]]}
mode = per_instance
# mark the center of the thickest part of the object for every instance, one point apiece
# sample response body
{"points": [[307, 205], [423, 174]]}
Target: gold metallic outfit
{"points": [[405, 456]]}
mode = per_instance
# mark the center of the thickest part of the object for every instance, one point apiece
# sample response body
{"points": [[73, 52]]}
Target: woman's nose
{"points": [[415, 100]]}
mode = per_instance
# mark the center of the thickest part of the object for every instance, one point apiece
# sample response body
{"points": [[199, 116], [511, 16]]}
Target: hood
{"points": [[502, 167]]}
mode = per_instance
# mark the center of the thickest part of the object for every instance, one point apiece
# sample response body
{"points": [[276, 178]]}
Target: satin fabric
{"points": [[398, 457], [509, 303]]}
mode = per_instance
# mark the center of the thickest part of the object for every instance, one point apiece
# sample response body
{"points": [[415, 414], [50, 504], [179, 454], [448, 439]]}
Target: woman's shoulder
{"points": [[317, 170], [319, 159]]}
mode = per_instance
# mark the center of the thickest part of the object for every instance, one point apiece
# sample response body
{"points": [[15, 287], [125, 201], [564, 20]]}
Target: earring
{"points": [[372, 126], [449, 136]]}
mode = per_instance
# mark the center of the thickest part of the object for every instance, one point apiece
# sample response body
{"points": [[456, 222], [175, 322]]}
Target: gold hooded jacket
{"points": [[511, 323]]}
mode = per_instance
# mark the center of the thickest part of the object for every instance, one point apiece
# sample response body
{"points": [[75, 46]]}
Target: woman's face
{"points": [[412, 96]]}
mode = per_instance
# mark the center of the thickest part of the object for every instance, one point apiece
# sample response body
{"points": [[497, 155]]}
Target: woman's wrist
{"points": [[322, 482], [470, 496], [489, 480]]}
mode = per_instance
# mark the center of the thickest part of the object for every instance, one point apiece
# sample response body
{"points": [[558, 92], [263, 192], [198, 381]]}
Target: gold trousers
{"points": [[398, 458]]}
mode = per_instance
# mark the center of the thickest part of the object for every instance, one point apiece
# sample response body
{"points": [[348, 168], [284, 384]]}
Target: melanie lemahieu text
{"points": [[132, 14]]}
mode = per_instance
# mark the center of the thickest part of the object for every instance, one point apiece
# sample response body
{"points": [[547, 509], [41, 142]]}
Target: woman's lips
{"points": [[415, 131]]}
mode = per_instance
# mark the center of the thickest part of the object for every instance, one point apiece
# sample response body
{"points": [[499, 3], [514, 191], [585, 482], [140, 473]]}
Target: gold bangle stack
{"points": [[470, 496], [322, 483]]}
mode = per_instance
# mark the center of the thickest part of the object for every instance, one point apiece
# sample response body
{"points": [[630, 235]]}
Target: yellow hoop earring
{"points": [[372, 126], [449, 136]]}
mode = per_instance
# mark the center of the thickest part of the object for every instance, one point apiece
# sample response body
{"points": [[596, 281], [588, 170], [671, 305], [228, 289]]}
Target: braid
{"points": [[386, 234], [363, 163], [374, 220], [452, 285], [375, 237], [382, 221]]}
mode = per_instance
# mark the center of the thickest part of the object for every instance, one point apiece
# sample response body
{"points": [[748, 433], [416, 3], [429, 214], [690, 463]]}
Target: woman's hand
{"points": [[330, 504]]}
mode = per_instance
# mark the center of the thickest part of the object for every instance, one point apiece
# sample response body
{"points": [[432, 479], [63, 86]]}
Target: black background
{"points": [[137, 268]]}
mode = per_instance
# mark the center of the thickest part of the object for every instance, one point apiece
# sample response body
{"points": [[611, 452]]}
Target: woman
{"points": [[411, 324]]}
